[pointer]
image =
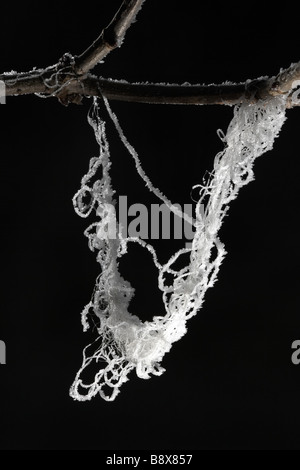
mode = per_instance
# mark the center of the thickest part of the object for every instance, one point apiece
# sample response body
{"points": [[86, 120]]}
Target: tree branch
{"points": [[226, 93], [69, 80], [110, 38], [63, 83]]}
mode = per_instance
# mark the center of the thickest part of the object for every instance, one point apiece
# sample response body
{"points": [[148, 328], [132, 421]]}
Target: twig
{"points": [[110, 38], [222, 94]]}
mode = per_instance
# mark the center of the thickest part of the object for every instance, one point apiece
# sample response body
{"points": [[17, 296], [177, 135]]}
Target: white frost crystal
{"points": [[124, 342]]}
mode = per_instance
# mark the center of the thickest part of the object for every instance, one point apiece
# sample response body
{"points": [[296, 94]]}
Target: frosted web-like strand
{"points": [[124, 342], [140, 170]]}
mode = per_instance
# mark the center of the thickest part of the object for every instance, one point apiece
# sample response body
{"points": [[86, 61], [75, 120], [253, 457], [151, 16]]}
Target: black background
{"points": [[229, 383]]}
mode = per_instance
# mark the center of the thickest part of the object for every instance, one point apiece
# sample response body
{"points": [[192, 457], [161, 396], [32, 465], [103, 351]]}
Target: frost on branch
{"points": [[124, 342]]}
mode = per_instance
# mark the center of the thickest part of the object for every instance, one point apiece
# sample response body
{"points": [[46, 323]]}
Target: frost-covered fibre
{"points": [[123, 341]]}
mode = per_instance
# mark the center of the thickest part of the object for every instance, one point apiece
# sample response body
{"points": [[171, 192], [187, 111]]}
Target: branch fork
{"points": [[70, 79]]}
